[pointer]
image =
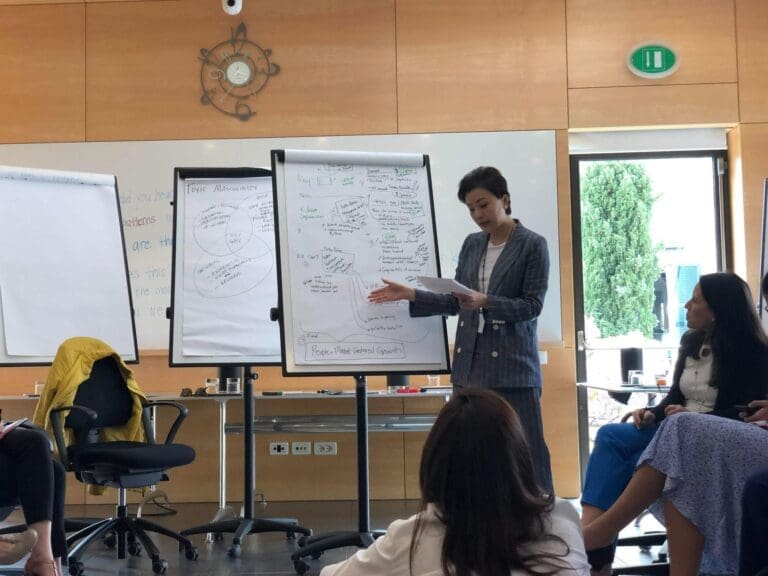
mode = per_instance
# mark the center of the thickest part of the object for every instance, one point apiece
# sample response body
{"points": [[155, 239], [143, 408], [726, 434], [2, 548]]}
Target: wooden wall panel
{"points": [[752, 47], [601, 34], [565, 234], [483, 65], [558, 407], [657, 106], [337, 76], [754, 171], [736, 183], [42, 71]]}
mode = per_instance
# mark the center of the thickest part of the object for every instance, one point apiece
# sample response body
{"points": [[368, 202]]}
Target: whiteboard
{"points": [[145, 173], [344, 221], [63, 268], [224, 280]]}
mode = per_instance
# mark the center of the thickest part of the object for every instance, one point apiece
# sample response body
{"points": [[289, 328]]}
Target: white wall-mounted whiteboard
{"points": [[224, 271], [63, 269], [145, 173], [345, 220]]}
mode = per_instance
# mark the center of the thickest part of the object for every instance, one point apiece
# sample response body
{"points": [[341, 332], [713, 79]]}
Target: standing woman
{"points": [[507, 268]]}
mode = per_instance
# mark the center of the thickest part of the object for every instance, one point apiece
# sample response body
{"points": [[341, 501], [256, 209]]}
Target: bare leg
{"points": [[685, 542], [41, 557], [645, 488]]}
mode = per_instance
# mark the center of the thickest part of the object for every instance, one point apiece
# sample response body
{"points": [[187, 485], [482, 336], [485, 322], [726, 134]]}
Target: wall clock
{"points": [[233, 72]]}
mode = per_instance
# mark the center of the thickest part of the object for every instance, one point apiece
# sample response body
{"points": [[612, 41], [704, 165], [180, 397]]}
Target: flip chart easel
{"points": [[63, 266], [223, 287], [344, 221]]}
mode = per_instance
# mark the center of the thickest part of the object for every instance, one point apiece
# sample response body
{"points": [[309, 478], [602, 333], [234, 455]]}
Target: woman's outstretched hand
{"points": [[391, 292]]}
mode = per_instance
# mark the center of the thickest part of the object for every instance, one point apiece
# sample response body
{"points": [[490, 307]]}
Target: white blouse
{"points": [[695, 380], [492, 253], [390, 554]]}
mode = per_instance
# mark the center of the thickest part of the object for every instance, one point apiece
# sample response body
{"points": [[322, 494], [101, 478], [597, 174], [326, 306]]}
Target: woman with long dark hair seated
{"points": [[722, 363], [481, 512]]}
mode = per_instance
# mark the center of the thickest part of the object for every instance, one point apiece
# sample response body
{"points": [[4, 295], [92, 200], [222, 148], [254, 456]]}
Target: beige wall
{"points": [[75, 71]]}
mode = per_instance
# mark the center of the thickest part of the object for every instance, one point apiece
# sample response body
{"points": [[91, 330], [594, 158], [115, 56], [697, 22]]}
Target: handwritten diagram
{"points": [[234, 255], [349, 226], [229, 275]]}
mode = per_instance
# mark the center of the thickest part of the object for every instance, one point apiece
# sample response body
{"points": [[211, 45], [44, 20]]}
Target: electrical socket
{"points": [[301, 448], [279, 449], [325, 449]]}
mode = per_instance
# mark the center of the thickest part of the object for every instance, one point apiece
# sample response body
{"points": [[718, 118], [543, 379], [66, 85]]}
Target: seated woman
{"points": [[722, 362], [481, 510], [700, 467], [33, 477]]}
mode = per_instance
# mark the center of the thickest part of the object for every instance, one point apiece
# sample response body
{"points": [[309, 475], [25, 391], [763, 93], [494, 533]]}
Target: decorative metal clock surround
{"points": [[232, 72]]}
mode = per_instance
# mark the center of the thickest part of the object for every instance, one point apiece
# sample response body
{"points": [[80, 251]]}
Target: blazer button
{"points": [[495, 326], [494, 353], [458, 350], [461, 323]]}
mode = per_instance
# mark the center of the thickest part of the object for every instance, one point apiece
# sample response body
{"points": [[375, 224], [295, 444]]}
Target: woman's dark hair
{"points": [[486, 177], [739, 344], [477, 471]]}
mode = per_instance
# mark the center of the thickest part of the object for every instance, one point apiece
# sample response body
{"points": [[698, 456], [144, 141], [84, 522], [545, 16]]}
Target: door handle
{"points": [[580, 345]]}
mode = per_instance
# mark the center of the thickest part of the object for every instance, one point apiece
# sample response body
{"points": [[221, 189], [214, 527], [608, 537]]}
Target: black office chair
{"points": [[657, 567], [104, 401]]}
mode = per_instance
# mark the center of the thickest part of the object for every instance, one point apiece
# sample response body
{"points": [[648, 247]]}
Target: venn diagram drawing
{"points": [[237, 247]]}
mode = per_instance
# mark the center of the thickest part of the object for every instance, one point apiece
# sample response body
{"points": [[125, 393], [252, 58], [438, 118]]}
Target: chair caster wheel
{"points": [[75, 568], [159, 566], [134, 549], [110, 539], [300, 566], [290, 535], [191, 553], [234, 551], [302, 541]]}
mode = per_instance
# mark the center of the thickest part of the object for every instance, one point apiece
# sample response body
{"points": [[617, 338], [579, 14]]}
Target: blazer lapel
{"points": [[475, 257]]}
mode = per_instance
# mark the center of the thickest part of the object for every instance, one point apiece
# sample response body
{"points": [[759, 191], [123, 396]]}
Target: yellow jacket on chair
{"points": [[72, 366]]}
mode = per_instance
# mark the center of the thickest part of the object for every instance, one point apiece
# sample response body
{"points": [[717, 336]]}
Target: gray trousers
{"points": [[526, 403]]}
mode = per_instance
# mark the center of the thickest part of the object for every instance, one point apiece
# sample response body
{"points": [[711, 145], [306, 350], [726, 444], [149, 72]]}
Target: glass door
{"points": [[646, 226]]}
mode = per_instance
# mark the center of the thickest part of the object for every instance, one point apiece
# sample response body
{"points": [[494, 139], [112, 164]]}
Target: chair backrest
{"points": [[106, 392]]}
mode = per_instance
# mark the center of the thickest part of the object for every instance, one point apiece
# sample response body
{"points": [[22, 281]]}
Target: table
{"points": [[616, 392]]}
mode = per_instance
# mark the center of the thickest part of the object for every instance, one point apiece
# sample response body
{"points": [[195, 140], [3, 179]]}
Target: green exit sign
{"points": [[652, 61]]}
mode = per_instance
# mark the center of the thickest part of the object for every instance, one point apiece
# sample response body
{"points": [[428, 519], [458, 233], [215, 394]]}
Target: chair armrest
{"points": [[183, 412], [58, 428]]}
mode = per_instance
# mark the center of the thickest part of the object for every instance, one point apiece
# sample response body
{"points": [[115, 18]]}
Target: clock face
{"points": [[232, 72], [238, 73]]}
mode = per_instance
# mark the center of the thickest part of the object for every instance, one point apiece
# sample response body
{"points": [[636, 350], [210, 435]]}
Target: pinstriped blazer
{"points": [[507, 350]]}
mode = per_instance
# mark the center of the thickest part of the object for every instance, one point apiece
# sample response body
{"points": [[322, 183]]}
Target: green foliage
{"points": [[620, 264]]}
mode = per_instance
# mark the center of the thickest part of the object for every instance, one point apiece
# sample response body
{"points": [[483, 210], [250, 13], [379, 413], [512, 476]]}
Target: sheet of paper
{"points": [[230, 280], [62, 272], [443, 285]]}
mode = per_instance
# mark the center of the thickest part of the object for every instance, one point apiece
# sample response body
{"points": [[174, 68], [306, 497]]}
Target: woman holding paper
{"points": [[506, 268]]}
